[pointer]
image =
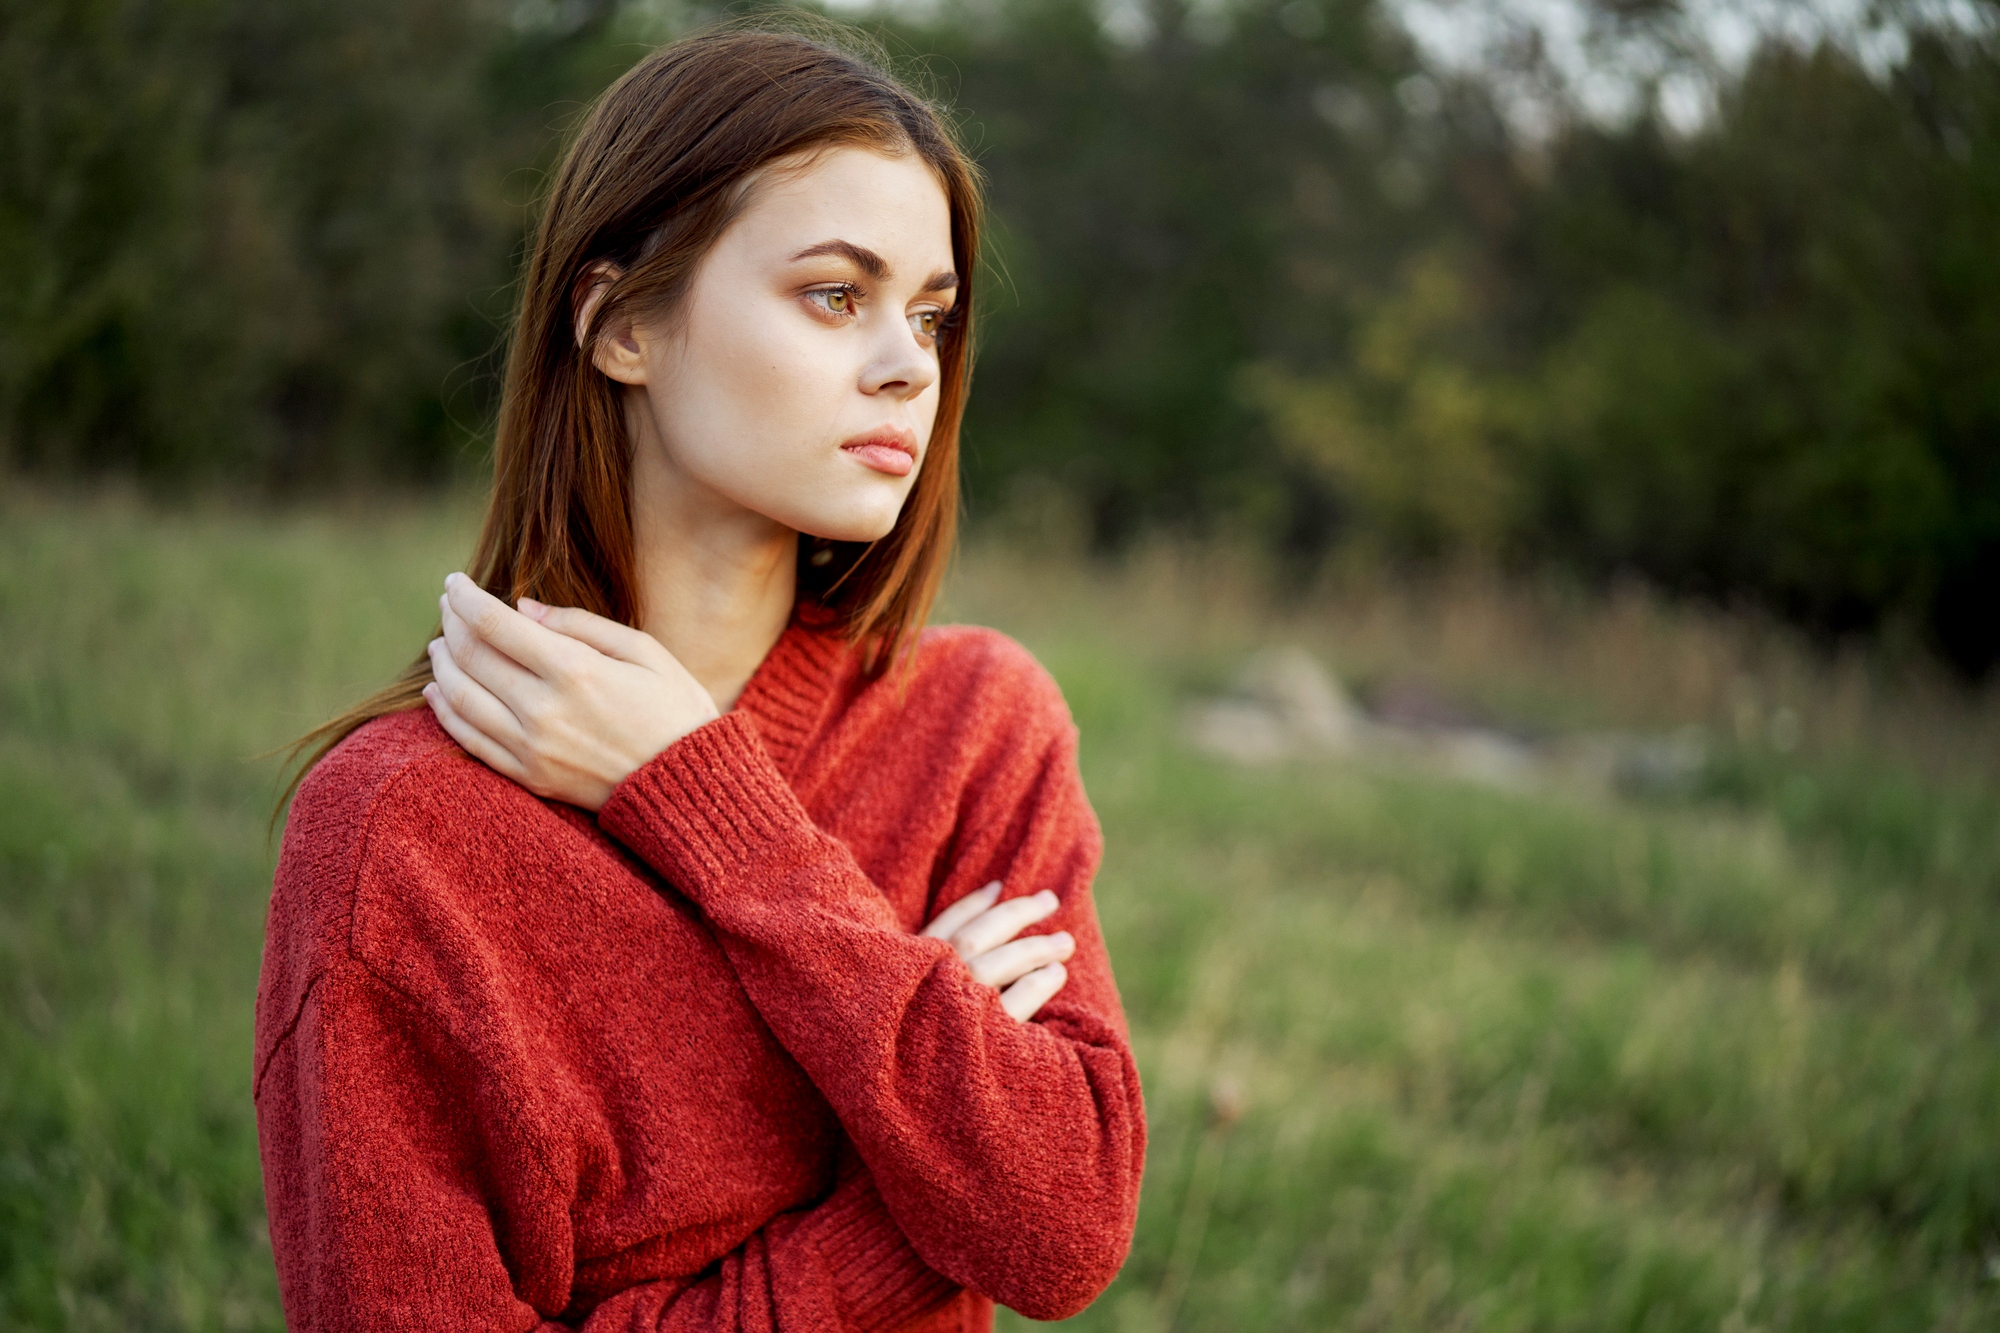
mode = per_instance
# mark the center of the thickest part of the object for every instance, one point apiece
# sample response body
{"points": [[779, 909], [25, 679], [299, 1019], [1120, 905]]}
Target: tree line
{"points": [[1259, 269]]}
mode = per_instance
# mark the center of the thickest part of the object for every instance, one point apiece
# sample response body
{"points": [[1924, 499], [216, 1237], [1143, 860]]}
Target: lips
{"points": [[887, 450]]}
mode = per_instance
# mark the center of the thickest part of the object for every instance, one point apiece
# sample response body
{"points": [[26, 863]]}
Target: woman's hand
{"points": [[564, 702], [1026, 972]]}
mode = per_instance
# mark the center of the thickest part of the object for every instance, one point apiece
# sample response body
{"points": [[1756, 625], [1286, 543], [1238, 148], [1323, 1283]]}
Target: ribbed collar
{"points": [[789, 694]]}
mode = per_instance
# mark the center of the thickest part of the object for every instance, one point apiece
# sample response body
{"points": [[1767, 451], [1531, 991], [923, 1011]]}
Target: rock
{"points": [[1304, 695], [1283, 703], [1248, 733], [1494, 758]]}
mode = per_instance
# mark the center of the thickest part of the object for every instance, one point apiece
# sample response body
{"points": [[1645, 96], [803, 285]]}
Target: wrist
{"points": [[706, 805]]}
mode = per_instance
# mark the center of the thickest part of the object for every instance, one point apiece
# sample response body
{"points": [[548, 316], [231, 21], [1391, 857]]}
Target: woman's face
{"points": [[799, 381]]}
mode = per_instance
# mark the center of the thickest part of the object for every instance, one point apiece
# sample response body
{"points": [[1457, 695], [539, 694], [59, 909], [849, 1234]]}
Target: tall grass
{"points": [[1419, 1054], [1544, 1058]]}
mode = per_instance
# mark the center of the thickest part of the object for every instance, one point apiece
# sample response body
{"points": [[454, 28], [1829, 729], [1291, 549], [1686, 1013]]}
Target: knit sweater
{"points": [[686, 1064]]}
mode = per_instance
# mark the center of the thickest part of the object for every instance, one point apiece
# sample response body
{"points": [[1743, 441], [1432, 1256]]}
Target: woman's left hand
{"points": [[566, 703], [1028, 971]]}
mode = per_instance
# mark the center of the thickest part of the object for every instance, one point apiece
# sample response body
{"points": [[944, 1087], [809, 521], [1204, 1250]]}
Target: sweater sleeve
{"points": [[1009, 1153], [399, 1199]]}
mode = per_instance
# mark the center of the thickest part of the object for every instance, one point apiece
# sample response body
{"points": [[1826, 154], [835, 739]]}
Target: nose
{"points": [[901, 367]]}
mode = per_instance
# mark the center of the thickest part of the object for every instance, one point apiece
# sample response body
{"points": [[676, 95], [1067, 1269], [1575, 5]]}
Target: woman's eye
{"points": [[834, 300], [927, 323]]}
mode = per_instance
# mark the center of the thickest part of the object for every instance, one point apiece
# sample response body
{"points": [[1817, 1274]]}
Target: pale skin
{"points": [[794, 392]]}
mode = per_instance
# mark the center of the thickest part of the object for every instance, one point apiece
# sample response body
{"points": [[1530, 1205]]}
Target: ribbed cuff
{"points": [[878, 1279], [707, 805]]}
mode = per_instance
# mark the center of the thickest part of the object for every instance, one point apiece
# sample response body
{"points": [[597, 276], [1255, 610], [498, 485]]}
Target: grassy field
{"points": [[1420, 1054]]}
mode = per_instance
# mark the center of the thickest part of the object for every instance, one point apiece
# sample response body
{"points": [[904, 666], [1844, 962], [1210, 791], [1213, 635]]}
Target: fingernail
{"points": [[1064, 939], [531, 608], [449, 577], [1047, 895], [993, 890]]}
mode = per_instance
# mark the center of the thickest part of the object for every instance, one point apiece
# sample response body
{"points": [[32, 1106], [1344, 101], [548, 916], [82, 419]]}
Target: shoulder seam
{"points": [[285, 1037], [417, 1013], [424, 1016], [354, 954], [369, 824], [353, 893]]}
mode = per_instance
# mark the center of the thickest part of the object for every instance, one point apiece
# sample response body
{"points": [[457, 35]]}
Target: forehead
{"points": [[891, 204]]}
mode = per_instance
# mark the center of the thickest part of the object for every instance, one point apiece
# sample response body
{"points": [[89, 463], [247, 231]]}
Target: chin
{"points": [[849, 529], [867, 518]]}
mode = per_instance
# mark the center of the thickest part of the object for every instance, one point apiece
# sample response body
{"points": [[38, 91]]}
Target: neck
{"points": [[716, 581]]}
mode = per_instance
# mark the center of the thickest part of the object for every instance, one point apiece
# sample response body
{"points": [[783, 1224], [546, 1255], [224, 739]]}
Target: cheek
{"points": [[751, 406], [750, 395]]}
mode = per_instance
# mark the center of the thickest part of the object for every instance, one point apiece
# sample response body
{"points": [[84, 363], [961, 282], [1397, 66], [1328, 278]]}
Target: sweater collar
{"points": [[789, 693]]}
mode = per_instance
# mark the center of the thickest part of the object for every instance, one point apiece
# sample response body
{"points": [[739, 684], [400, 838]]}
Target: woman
{"points": [[600, 991]]}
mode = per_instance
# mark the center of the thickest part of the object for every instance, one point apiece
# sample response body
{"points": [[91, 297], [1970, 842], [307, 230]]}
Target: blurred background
{"points": [[1510, 488]]}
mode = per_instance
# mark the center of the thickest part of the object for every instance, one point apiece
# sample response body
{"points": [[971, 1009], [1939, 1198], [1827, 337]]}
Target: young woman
{"points": [[687, 941]]}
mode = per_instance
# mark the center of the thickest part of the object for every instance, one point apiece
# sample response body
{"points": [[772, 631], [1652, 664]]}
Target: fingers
{"points": [[474, 741], [947, 922], [606, 636], [997, 925], [541, 651], [507, 679], [471, 701], [1013, 961], [1022, 999], [1030, 970]]}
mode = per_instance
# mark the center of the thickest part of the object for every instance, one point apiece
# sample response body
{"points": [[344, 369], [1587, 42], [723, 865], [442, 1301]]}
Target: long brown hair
{"points": [[659, 169]]}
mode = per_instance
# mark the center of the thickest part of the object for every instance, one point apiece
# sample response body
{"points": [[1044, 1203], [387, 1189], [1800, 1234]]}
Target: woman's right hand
{"points": [[1027, 972], [566, 703]]}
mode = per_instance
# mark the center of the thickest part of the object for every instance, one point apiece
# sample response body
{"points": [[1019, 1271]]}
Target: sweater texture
{"points": [[686, 1064]]}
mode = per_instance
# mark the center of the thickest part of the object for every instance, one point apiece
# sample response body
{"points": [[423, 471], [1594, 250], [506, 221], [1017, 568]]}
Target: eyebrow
{"points": [[872, 264]]}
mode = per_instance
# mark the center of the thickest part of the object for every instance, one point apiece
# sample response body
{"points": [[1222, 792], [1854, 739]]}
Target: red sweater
{"points": [[686, 1065]]}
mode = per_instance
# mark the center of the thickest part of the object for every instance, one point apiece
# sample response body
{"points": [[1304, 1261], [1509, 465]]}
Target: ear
{"points": [[617, 353]]}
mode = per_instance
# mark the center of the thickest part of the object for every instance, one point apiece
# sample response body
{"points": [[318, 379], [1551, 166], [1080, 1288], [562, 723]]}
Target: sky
{"points": [[1603, 67], [1589, 63]]}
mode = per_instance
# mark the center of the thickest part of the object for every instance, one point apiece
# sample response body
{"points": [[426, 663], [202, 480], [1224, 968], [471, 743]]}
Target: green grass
{"points": [[1507, 1060]]}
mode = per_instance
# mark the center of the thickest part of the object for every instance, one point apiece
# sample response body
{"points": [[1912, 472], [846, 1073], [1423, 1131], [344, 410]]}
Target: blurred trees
{"points": [[235, 234], [1255, 267], [1179, 196], [266, 244], [1766, 354]]}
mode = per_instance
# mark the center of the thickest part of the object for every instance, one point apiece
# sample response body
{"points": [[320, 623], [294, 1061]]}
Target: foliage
{"points": [[1173, 204], [1768, 345], [263, 244], [233, 232], [1273, 275], [1255, 268], [1408, 435]]}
